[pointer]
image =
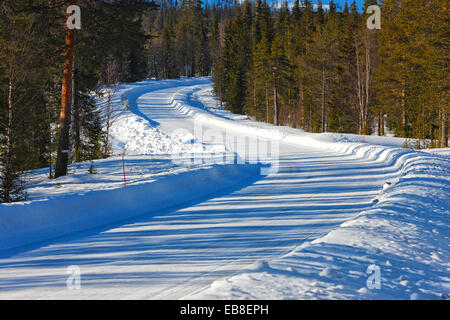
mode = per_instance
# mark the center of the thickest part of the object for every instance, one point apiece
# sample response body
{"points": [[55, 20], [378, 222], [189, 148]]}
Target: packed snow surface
{"points": [[221, 207]]}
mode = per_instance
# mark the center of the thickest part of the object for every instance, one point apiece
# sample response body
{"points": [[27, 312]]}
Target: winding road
{"points": [[176, 253]]}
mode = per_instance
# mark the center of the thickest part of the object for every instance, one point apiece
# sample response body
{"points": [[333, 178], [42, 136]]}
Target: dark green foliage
{"points": [[31, 61], [12, 183], [92, 169], [412, 79], [337, 75]]}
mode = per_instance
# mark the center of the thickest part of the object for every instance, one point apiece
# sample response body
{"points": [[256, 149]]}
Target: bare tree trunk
{"points": [[324, 129], [275, 101], [267, 104], [50, 169], [289, 108], [367, 84], [110, 79], [62, 158], [358, 86], [302, 107], [108, 116], [7, 183], [254, 94], [403, 105], [10, 114], [77, 123], [380, 124], [443, 129], [363, 69]]}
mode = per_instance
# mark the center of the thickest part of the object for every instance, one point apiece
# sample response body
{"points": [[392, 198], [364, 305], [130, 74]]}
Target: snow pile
{"points": [[404, 236], [135, 135], [203, 97]]}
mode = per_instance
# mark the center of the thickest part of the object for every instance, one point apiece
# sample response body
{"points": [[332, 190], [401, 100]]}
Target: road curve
{"points": [[177, 253]]}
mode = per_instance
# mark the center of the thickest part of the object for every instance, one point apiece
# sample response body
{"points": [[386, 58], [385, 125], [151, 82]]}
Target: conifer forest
{"points": [[309, 66]]}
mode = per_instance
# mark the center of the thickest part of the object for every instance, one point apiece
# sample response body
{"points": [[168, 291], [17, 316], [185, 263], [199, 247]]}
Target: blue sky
{"points": [[341, 3]]}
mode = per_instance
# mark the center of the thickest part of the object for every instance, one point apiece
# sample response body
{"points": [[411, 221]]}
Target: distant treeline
{"points": [[315, 69]]}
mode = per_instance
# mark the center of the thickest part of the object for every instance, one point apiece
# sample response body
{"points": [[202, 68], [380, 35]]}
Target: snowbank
{"points": [[33, 221], [135, 136], [203, 100], [133, 132], [404, 236]]}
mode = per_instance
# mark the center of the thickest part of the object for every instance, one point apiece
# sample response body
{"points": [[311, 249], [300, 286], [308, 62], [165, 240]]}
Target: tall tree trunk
{"points": [[302, 106], [275, 101], [403, 106], [108, 116], [62, 158], [9, 129], [324, 129], [310, 118], [220, 93], [363, 85], [380, 124], [77, 123], [267, 104], [7, 179], [367, 84], [443, 128], [254, 94]]}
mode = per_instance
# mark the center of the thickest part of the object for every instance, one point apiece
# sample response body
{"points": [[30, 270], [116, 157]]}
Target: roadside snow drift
{"points": [[34, 221], [398, 249]]}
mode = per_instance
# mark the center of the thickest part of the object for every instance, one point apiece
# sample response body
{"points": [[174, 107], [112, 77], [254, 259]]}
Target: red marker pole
{"points": [[123, 168]]}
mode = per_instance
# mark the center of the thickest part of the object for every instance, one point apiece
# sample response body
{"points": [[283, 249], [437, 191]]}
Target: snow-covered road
{"points": [[177, 253]]}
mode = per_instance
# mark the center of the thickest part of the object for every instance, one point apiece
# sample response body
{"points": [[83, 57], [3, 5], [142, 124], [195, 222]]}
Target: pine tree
{"points": [[282, 80], [168, 57], [62, 159], [19, 58], [391, 77], [321, 57], [344, 115], [237, 57], [411, 87]]}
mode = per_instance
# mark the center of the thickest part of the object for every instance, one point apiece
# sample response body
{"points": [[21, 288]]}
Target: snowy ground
{"points": [[323, 217]]}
